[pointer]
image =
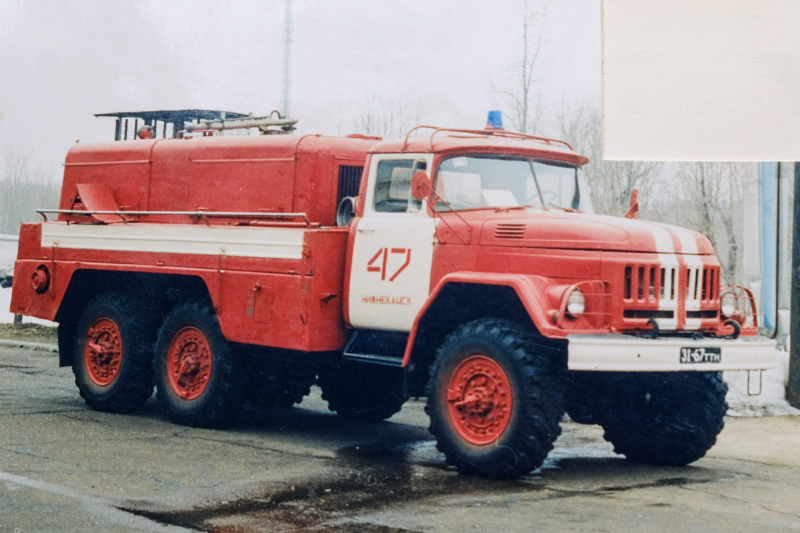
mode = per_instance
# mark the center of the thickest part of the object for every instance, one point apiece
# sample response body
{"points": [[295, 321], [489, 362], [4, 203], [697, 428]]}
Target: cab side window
{"points": [[393, 186]]}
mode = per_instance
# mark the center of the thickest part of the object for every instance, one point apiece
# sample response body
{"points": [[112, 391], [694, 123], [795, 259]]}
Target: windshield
{"points": [[481, 181]]}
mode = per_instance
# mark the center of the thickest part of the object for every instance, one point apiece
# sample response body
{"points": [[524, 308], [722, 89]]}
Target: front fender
{"points": [[535, 294]]}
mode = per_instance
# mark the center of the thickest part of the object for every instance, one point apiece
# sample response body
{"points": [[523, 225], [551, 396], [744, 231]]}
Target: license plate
{"points": [[701, 355]]}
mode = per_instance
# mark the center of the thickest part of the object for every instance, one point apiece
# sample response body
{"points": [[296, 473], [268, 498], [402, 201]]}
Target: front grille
{"points": [[647, 313], [509, 231], [644, 282], [669, 283], [702, 284], [707, 314], [654, 291]]}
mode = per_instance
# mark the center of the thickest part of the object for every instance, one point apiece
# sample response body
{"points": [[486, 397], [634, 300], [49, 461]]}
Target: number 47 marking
{"points": [[382, 258]]}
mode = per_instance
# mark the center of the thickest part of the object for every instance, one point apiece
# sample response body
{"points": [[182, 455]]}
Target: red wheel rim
{"points": [[189, 363], [102, 352], [479, 400]]}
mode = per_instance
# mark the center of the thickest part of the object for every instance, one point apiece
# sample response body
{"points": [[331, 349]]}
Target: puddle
{"points": [[370, 477]]}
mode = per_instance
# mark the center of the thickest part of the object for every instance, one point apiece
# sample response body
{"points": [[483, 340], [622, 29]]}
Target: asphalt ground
{"points": [[65, 467]]}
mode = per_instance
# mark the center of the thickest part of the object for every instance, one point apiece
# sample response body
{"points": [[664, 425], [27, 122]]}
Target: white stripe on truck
{"points": [[262, 242]]}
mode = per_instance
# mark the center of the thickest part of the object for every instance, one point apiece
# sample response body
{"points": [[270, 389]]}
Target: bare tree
{"points": [[703, 196], [24, 188], [611, 182], [385, 117], [524, 113], [707, 198]]}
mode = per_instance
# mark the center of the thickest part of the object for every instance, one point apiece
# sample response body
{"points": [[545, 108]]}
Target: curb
{"points": [[37, 346]]}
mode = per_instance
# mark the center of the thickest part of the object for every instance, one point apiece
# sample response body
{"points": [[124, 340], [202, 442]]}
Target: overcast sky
{"points": [[444, 60]]}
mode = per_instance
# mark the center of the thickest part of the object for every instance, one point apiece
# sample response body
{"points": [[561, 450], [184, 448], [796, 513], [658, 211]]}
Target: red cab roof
{"points": [[444, 141]]}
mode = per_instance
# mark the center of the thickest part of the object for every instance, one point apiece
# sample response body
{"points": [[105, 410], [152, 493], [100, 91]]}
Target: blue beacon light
{"points": [[495, 120]]}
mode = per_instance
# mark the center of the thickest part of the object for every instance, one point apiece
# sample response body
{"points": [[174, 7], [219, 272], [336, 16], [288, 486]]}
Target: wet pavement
{"points": [[64, 467]]}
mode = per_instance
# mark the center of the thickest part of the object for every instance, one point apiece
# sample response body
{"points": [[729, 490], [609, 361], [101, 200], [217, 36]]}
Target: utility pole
{"points": [[793, 385], [287, 48]]}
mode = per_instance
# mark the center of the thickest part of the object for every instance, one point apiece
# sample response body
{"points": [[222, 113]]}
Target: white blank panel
{"points": [[701, 80]]}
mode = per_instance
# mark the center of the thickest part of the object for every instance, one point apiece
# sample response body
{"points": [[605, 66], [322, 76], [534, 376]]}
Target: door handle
{"points": [[365, 230]]}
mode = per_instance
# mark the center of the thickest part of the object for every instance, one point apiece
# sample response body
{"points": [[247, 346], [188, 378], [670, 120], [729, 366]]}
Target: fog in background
{"points": [[443, 60], [376, 67]]}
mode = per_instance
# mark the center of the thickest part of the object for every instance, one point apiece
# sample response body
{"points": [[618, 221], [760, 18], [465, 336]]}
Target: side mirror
{"points": [[421, 187], [633, 210]]}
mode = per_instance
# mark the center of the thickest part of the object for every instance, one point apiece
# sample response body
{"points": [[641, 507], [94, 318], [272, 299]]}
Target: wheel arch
{"points": [[159, 291], [458, 299]]}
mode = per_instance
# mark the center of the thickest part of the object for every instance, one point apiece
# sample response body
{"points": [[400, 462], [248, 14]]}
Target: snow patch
{"points": [[771, 401]]}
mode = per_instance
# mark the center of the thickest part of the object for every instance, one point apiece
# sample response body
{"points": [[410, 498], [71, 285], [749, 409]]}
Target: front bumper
{"points": [[627, 353]]}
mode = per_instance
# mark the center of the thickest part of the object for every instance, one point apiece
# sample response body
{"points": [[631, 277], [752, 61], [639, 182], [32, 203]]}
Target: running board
{"points": [[380, 348], [374, 359]]}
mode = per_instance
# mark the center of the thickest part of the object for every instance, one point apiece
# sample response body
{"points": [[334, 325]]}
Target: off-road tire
{"points": [[666, 418], [291, 388], [266, 388], [589, 396], [196, 379], [363, 392], [67, 341], [112, 352], [519, 380]]}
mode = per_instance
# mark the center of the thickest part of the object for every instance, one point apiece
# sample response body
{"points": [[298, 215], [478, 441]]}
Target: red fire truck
{"points": [[464, 266]]}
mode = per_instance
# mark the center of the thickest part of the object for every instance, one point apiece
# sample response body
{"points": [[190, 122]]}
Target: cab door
{"points": [[390, 270]]}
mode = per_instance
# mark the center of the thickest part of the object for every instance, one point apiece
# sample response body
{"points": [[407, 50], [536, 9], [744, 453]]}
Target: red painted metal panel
{"points": [[98, 197], [126, 169], [482, 144]]}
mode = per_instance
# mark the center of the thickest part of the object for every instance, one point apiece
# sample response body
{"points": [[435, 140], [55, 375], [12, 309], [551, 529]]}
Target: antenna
{"points": [[287, 49]]}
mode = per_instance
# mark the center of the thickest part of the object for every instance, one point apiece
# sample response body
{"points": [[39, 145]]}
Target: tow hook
{"points": [[736, 328]]}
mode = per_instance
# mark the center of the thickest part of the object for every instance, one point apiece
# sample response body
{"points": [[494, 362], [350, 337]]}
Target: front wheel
{"points": [[666, 418], [195, 372], [495, 399]]}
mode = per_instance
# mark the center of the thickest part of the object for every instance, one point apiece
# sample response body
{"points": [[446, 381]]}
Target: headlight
{"points": [[727, 304], [576, 304]]}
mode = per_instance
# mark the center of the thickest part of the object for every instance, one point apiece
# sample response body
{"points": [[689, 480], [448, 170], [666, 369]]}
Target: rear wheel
{"points": [[112, 353], [666, 418], [290, 388], [267, 386], [195, 372], [495, 399]]}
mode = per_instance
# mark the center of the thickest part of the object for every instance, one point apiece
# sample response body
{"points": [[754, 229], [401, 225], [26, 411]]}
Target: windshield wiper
{"points": [[513, 207], [567, 209], [544, 207]]}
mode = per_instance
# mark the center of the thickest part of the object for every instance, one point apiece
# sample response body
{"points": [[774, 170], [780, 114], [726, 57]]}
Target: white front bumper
{"points": [[626, 353]]}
